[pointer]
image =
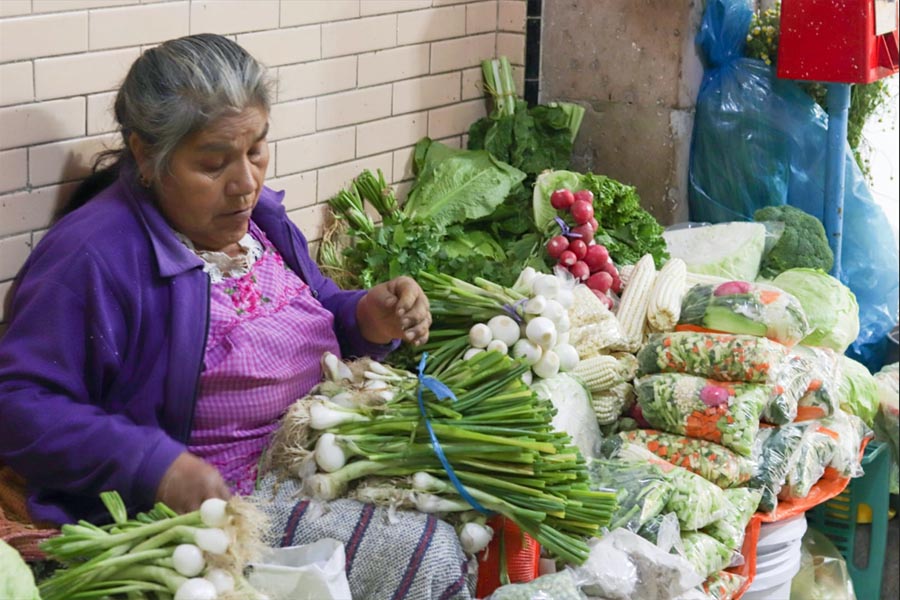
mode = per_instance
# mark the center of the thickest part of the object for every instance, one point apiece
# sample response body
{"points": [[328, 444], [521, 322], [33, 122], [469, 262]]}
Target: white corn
{"points": [[610, 404], [625, 272], [599, 372], [632, 311], [665, 299]]}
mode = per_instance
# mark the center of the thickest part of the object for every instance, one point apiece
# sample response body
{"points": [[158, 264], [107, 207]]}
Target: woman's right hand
{"points": [[188, 482]]}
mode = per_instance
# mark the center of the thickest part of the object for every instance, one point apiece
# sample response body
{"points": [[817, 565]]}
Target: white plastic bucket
{"points": [[774, 584], [773, 535]]}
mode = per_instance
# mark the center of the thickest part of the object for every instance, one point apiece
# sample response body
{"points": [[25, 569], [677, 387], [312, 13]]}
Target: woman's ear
{"points": [[139, 151]]}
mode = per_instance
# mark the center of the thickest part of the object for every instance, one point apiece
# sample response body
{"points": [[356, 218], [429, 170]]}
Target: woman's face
{"points": [[214, 180]]}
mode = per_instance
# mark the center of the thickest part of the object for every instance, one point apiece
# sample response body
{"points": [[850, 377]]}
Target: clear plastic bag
{"points": [[555, 586], [730, 529], [723, 585], [706, 554], [821, 396], [775, 136], [775, 452], [642, 490], [848, 433], [721, 412], [823, 571], [887, 421], [741, 307], [712, 461], [815, 453]]}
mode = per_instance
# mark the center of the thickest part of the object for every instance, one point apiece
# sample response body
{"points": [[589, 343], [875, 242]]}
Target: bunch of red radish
{"points": [[576, 250]]}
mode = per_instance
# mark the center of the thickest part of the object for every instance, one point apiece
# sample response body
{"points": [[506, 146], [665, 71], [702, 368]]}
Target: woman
{"points": [[160, 330]]}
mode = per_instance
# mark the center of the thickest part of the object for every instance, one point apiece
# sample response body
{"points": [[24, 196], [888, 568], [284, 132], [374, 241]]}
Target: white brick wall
{"points": [[359, 82]]}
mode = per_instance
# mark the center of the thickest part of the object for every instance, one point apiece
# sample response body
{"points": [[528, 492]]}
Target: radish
{"points": [[616, 285], [579, 248], [557, 246], [585, 231], [730, 288], [596, 256], [594, 223], [582, 212], [562, 199], [568, 258], [610, 268], [580, 270], [584, 196], [601, 281]]}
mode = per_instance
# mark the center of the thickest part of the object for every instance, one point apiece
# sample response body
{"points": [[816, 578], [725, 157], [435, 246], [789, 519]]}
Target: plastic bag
{"points": [[727, 414], [821, 396], [712, 461], [723, 585], [555, 586], [695, 501], [745, 308], [823, 571], [663, 531], [658, 573], [308, 572], [815, 453], [848, 433], [730, 529], [642, 490], [723, 357], [775, 451], [705, 554], [887, 421], [775, 136]]}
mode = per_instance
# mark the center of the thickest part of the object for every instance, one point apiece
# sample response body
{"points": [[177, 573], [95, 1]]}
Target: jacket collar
{"points": [[172, 257]]}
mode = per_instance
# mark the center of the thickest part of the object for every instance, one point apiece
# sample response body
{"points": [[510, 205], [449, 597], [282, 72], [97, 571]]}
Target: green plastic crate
{"points": [[837, 519]]}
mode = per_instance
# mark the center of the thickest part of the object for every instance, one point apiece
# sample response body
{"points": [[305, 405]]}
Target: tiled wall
{"points": [[359, 82]]}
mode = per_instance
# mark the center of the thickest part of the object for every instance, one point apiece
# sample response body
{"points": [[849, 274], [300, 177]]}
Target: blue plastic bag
{"points": [[761, 141]]}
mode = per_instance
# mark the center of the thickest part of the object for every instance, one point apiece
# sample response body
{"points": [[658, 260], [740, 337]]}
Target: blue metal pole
{"points": [[838, 100]]}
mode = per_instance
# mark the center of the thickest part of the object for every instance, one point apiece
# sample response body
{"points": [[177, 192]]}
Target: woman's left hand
{"points": [[395, 309]]}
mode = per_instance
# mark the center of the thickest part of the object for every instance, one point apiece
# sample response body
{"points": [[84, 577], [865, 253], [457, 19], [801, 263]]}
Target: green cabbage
{"points": [[16, 580], [830, 307], [858, 391], [729, 250]]}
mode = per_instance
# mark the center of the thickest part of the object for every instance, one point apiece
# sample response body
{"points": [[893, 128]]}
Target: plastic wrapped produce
{"points": [[848, 432], [723, 585], [745, 308], [775, 452], [642, 490], [695, 501], [816, 452], [556, 586], [723, 357], [730, 529], [712, 461], [786, 389], [821, 396], [887, 421], [727, 414], [704, 553], [663, 531]]}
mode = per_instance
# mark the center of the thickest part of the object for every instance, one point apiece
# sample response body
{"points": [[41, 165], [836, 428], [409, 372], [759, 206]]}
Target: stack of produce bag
{"points": [[887, 423]]}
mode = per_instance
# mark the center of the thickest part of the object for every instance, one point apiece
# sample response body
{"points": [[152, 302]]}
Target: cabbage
{"points": [[858, 391], [574, 413], [729, 250], [830, 307], [16, 580]]}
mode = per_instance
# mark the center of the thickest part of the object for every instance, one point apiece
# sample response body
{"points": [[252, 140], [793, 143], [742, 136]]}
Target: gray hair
{"points": [[181, 86]]}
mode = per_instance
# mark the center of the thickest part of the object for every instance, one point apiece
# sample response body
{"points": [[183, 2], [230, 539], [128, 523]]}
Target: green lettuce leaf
{"points": [[16, 580]]}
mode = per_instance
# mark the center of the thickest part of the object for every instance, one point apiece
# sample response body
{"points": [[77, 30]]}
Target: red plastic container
{"points": [[523, 556]]}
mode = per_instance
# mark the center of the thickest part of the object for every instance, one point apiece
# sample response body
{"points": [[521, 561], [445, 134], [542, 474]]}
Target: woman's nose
{"points": [[242, 181]]}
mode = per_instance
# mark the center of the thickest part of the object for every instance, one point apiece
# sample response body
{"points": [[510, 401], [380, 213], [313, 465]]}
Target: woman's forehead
{"points": [[251, 123]]}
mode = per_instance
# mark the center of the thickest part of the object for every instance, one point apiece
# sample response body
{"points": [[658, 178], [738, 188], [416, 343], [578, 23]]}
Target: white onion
{"points": [[212, 540], [527, 377], [527, 350], [472, 352], [548, 366], [329, 455], [475, 537], [536, 305], [221, 579], [480, 335], [554, 311], [568, 357], [504, 329], [188, 560], [526, 277], [565, 297], [542, 332], [545, 285], [213, 512], [498, 346], [196, 589]]}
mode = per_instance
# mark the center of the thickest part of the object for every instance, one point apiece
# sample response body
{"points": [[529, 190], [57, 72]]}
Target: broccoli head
{"points": [[803, 242]]}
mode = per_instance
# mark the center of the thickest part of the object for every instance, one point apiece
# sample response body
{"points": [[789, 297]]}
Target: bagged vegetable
{"points": [[821, 396], [723, 585], [16, 579], [858, 391], [788, 387], [829, 305], [731, 527], [556, 586], [663, 531], [775, 451], [847, 433], [887, 421], [727, 414], [712, 461], [705, 554], [728, 250], [722, 357], [695, 501], [642, 490], [745, 308], [574, 412], [815, 453]]}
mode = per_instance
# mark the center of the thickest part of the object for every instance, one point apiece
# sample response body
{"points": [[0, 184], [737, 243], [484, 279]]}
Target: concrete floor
{"points": [[890, 582]]}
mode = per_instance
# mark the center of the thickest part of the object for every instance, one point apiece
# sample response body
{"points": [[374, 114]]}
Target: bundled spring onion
{"points": [[496, 436], [158, 554]]}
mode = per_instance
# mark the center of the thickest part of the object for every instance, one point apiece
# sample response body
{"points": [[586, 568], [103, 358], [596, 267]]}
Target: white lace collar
{"points": [[219, 266]]}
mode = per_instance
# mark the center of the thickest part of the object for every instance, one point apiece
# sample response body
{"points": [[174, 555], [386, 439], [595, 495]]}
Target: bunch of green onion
{"points": [[158, 554], [364, 422]]}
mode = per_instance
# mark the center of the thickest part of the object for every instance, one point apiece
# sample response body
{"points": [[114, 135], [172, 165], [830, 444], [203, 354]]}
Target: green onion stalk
{"points": [[349, 205], [377, 192], [496, 436], [156, 554]]}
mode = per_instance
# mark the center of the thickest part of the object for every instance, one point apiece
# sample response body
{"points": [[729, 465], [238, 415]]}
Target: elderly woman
{"points": [[161, 329]]}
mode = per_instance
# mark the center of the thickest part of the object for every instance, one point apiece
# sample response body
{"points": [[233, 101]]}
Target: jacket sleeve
{"points": [[65, 345], [341, 303]]}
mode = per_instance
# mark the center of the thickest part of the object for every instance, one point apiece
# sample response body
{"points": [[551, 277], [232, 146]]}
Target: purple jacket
{"points": [[100, 364]]}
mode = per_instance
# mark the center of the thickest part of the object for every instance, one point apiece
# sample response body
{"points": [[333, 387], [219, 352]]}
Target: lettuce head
{"points": [[728, 250]]}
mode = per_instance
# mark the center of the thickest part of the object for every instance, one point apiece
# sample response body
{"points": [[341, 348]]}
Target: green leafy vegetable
{"points": [[803, 242], [16, 580], [729, 250]]}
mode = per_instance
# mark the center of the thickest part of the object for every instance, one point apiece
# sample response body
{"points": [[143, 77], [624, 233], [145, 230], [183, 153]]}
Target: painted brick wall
{"points": [[359, 82]]}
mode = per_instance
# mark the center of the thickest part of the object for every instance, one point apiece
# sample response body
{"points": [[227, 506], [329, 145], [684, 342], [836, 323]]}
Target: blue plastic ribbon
{"points": [[439, 389], [566, 230], [512, 310]]}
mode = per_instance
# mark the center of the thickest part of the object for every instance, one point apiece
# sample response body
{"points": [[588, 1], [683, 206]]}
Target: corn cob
{"points": [[628, 364], [625, 272], [599, 372], [610, 404], [632, 311], [665, 299]]}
